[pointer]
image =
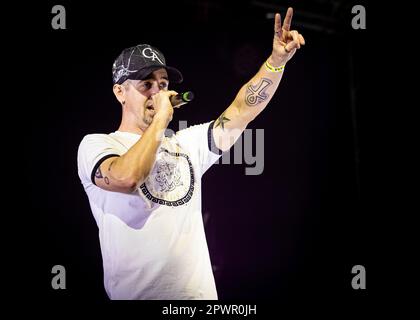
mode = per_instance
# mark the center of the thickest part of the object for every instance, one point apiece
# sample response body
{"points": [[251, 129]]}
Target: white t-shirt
{"points": [[152, 241]]}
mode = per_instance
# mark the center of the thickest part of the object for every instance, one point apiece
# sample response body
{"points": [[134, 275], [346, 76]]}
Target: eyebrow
{"points": [[151, 78]]}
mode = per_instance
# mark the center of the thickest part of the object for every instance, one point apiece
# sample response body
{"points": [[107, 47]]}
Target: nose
{"points": [[154, 89]]}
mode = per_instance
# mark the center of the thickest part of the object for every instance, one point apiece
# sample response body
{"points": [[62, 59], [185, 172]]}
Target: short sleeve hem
{"points": [[98, 163], [210, 140]]}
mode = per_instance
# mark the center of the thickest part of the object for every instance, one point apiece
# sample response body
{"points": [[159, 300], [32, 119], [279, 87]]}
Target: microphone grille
{"points": [[187, 96]]}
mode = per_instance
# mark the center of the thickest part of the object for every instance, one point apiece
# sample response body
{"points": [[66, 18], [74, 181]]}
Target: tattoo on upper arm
{"points": [[256, 94], [98, 175], [221, 121]]}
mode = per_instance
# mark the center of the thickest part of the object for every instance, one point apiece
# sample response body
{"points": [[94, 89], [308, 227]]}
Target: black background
{"points": [[288, 236]]}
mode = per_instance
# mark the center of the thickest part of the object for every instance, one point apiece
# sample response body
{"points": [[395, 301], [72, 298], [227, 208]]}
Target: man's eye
{"points": [[147, 85], [163, 85]]}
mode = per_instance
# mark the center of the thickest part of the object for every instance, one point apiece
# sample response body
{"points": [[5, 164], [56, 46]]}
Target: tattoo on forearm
{"points": [[256, 94], [221, 121], [98, 175]]}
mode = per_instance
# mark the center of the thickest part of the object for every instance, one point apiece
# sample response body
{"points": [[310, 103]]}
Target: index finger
{"points": [[288, 19], [277, 24]]}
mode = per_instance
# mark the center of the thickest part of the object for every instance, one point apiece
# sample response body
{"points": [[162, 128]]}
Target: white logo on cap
{"points": [[153, 56]]}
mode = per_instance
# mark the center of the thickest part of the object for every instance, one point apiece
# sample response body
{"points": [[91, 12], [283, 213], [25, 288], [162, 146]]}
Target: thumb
{"points": [[292, 45]]}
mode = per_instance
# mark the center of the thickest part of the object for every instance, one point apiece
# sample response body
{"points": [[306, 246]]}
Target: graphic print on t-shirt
{"points": [[171, 181]]}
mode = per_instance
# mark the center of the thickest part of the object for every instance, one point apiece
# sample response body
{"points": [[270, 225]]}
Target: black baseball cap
{"points": [[138, 62]]}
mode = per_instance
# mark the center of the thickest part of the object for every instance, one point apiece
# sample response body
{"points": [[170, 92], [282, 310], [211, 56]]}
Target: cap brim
{"points": [[174, 74]]}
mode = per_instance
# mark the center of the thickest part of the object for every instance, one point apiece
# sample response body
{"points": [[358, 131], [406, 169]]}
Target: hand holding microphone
{"points": [[181, 98], [164, 108]]}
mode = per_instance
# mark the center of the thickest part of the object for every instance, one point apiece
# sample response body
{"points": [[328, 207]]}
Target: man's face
{"points": [[138, 97]]}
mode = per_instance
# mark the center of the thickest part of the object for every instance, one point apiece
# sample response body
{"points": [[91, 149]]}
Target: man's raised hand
{"points": [[286, 41]]}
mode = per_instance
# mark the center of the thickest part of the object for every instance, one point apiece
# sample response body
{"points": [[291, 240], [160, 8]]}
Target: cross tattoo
{"points": [[257, 94]]}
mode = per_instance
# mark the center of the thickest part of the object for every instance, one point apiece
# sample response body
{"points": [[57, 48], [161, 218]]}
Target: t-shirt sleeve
{"points": [[199, 142], [93, 150]]}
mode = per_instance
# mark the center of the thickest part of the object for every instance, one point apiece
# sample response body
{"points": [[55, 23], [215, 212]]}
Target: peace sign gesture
{"points": [[285, 42]]}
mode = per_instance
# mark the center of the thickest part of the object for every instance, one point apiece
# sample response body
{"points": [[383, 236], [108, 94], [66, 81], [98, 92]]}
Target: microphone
{"points": [[181, 98]]}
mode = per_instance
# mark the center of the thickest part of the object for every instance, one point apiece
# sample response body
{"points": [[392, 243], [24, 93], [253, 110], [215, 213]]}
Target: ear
{"points": [[119, 91]]}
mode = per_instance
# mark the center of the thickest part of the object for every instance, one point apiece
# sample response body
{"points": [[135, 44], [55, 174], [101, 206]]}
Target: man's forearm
{"points": [[251, 99], [136, 164]]}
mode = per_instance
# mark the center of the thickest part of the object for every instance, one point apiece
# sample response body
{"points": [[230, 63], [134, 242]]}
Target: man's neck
{"points": [[130, 128]]}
